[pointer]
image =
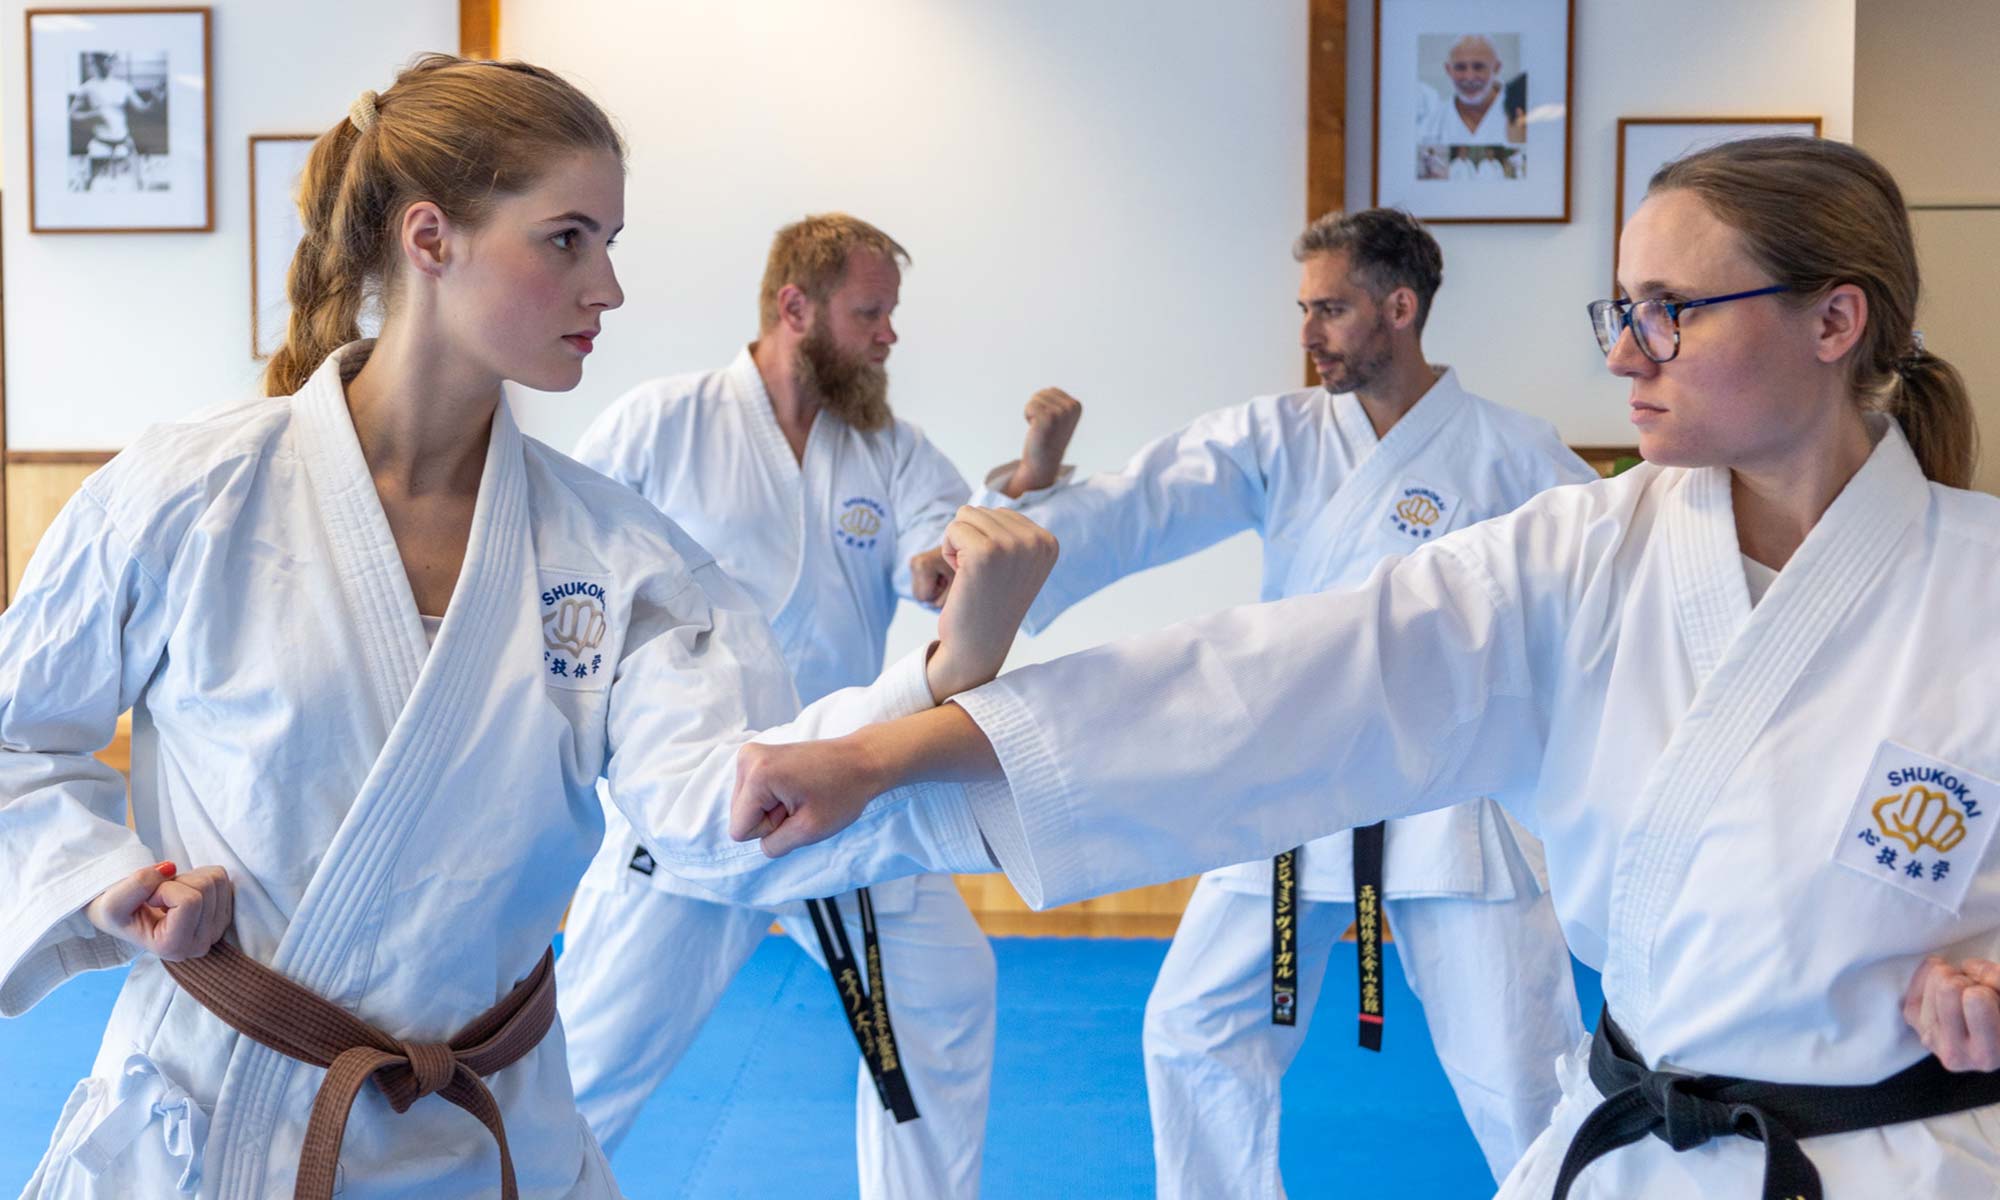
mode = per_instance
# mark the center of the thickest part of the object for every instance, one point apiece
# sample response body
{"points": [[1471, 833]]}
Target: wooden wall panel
{"points": [[38, 486], [479, 28], [1141, 912]]}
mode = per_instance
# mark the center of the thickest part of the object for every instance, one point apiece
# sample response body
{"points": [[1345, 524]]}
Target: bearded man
{"points": [[790, 468]]}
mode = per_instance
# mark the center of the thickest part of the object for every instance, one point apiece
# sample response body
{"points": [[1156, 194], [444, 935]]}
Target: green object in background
{"points": [[1624, 463]]}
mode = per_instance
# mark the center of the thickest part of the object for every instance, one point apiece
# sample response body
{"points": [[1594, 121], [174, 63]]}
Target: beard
{"points": [[850, 387], [1364, 367]]}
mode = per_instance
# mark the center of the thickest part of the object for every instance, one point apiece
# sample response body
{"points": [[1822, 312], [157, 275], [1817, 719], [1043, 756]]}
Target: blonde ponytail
{"points": [[451, 131]]}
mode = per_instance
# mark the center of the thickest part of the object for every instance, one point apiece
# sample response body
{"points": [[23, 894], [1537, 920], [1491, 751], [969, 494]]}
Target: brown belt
{"points": [[270, 1009]]}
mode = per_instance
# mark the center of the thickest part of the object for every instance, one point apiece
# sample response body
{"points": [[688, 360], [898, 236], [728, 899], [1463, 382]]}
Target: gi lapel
{"points": [[798, 480], [1332, 535], [428, 701], [1747, 666]]}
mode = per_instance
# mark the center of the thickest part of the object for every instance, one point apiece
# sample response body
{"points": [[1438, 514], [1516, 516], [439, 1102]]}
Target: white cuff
{"points": [[1027, 819], [45, 946], [990, 495]]}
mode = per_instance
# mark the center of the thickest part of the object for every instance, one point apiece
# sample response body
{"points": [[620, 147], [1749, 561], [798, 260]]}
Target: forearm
{"points": [[942, 745]]}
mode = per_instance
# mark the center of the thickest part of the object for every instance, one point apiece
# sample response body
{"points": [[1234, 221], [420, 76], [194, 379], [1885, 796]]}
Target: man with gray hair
{"points": [[1389, 453]]}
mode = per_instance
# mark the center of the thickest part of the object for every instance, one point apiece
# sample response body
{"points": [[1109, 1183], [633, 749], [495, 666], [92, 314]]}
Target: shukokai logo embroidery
{"points": [[573, 628], [1419, 512], [860, 523], [1918, 824], [1921, 817]]}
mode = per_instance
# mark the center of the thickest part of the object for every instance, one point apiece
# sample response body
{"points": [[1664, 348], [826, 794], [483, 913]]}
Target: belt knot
{"points": [[432, 1065], [1689, 1119]]}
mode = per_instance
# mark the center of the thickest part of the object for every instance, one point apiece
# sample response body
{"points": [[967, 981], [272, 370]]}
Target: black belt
{"points": [[866, 1005], [1684, 1111], [1368, 929], [1285, 939], [1368, 841]]}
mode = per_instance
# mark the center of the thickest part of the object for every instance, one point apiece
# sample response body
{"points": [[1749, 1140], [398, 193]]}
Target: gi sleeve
{"points": [[928, 491], [1241, 734], [76, 647], [1179, 494], [700, 675]]}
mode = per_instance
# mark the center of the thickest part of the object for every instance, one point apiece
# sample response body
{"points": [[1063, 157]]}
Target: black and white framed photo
{"points": [[119, 121], [1645, 144], [276, 162], [1472, 108]]}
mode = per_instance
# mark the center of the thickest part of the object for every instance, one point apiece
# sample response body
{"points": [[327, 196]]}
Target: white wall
{"points": [[1511, 312], [107, 333], [1097, 195], [1102, 196]]}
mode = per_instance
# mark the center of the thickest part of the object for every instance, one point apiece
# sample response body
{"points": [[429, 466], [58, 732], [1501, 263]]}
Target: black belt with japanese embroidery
{"points": [[1368, 845], [865, 1003], [1685, 1111]]}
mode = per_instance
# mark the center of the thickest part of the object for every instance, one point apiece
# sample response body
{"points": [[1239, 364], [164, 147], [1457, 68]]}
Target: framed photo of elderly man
{"points": [[119, 122], [1645, 144], [1472, 108]]}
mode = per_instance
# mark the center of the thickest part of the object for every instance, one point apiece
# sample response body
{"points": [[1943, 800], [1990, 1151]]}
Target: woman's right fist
{"points": [[165, 912]]}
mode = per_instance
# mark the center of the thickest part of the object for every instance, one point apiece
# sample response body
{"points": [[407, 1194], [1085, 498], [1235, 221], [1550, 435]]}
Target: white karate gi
{"points": [[403, 826], [1709, 779], [823, 546], [1438, 120], [1465, 889]]}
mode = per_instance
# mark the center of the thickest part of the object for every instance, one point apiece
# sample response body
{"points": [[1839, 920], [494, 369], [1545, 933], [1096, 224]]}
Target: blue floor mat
{"points": [[1069, 1095]]}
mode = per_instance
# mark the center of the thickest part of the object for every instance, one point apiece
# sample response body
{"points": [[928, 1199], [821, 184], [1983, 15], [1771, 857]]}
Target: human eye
{"points": [[566, 240]]}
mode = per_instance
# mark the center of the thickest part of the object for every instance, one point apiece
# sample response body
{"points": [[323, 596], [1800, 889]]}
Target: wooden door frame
{"points": [[479, 28], [1326, 116]]}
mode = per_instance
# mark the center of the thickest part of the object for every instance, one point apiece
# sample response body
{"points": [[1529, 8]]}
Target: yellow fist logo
{"points": [[1921, 817], [1418, 510], [860, 522], [576, 627]]}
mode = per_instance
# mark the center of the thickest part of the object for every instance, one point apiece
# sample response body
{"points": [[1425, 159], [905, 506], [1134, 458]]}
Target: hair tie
{"points": [[361, 114], [1906, 364]]}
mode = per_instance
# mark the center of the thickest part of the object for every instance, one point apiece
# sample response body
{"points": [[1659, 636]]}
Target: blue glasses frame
{"points": [[1609, 330]]}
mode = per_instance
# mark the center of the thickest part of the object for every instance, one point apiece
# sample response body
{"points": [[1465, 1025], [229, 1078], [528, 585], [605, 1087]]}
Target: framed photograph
{"points": [[1645, 144], [1472, 106], [276, 162], [119, 122]]}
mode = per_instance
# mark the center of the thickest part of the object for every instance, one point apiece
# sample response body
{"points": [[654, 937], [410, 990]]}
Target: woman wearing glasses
{"points": [[1742, 692]]}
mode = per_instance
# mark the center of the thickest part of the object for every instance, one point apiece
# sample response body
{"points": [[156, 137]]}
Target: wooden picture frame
{"points": [[1440, 169], [121, 131], [1645, 144], [275, 162]]}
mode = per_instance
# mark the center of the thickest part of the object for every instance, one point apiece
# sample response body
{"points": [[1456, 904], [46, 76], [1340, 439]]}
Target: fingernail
{"points": [[165, 868]]}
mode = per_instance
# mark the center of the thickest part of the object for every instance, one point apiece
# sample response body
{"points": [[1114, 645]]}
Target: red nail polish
{"points": [[165, 868]]}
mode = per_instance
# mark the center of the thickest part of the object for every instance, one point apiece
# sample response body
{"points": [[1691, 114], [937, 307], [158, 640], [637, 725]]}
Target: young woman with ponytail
{"points": [[379, 649], [1744, 692]]}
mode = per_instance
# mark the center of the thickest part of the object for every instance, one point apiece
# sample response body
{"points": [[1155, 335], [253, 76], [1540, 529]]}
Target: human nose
{"points": [[1626, 359], [604, 291]]}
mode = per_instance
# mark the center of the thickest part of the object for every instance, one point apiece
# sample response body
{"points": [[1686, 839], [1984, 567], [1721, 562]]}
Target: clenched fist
{"points": [[930, 577], [1955, 1009], [999, 560], [794, 795], [167, 913], [1052, 415]]}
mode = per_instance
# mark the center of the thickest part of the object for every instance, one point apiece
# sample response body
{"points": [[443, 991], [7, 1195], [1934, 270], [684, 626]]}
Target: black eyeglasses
{"points": [[1655, 324]]}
